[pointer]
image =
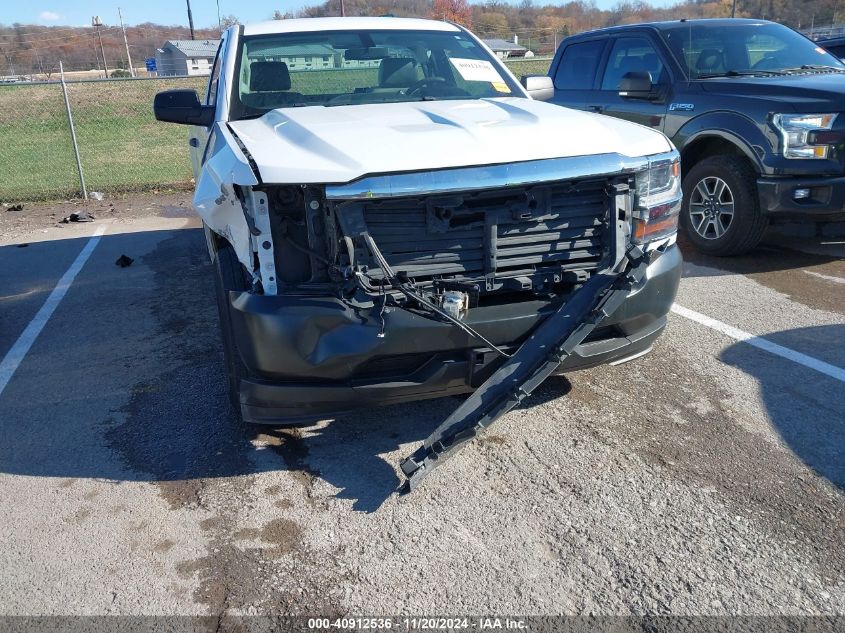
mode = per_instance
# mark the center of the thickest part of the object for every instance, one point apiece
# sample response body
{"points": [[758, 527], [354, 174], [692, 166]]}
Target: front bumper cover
{"points": [[311, 358], [826, 202]]}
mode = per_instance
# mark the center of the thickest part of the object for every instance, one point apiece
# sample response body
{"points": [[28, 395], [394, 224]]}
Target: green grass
{"points": [[122, 147]]}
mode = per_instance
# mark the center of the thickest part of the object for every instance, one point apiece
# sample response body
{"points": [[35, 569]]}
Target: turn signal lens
{"points": [[658, 201]]}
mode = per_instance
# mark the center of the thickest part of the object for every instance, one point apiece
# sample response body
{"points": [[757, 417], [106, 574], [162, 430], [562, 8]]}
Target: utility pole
{"points": [[219, 23], [733, 10], [342, 9], [97, 23], [38, 57], [191, 20], [126, 43], [9, 59]]}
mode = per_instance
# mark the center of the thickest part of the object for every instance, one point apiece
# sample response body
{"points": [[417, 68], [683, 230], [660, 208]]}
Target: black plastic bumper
{"points": [[826, 202], [312, 358]]}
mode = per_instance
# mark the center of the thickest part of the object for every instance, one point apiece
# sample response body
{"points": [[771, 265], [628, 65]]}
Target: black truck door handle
{"points": [[194, 142], [596, 108]]}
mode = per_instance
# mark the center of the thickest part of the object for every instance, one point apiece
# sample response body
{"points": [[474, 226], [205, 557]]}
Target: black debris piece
{"points": [[82, 216], [124, 262], [14, 207]]}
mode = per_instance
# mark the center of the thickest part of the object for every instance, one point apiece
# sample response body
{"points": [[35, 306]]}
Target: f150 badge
{"points": [[688, 107]]}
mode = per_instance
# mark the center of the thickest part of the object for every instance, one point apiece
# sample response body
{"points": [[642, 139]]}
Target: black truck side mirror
{"points": [[637, 85], [182, 106]]}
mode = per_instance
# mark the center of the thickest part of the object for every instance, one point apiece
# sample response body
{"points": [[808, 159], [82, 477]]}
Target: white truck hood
{"points": [[317, 144]]}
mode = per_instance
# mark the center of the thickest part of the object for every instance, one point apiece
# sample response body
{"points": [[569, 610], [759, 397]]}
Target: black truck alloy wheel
{"points": [[720, 212], [711, 208]]}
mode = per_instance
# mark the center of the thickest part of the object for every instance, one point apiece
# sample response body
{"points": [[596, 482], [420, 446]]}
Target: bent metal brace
{"points": [[538, 357]]}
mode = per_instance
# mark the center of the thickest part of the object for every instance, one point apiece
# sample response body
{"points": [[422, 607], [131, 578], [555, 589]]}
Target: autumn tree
{"points": [[490, 23], [452, 10]]}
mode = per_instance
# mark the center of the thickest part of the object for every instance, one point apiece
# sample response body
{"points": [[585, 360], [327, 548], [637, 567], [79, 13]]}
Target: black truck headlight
{"points": [[799, 134], [658, 200]]}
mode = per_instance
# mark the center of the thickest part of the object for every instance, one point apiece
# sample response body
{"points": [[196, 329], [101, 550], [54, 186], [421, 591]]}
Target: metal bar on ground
{"points": [[72, 132]]}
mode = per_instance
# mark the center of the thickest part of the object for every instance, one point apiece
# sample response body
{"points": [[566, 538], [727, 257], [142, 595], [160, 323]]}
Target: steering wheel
{"points": [[769, 62], [417, 86]]}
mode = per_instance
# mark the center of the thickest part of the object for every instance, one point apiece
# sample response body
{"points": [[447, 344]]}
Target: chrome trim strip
{"points": [[492, 176]]}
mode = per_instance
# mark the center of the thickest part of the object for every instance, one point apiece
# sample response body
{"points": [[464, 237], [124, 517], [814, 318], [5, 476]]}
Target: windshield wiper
{"points": [[741, 73], [258, 115], [836, 69]]}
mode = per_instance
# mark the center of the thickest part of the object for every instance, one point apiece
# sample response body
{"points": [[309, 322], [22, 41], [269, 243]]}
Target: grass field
{"points": [[122, 147]]}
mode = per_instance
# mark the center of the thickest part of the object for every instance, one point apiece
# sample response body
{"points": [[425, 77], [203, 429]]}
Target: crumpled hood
{"points": [[339, 144]]}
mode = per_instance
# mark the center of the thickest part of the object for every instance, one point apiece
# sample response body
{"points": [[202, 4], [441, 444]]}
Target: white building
{"points": [[507, 50], [186, 57]]}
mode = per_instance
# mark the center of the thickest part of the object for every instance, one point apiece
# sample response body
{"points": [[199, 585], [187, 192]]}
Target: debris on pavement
{"points": [[13, 207], [82, 216], [124, 262]]}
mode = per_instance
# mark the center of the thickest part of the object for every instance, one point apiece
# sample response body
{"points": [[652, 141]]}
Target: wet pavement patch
{"points": [[784, 271]]}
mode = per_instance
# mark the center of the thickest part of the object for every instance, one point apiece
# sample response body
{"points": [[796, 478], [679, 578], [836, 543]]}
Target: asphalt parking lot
{"points": [[705, 478]]}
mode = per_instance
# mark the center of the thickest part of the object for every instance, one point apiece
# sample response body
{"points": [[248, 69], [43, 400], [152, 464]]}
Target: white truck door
{"points": [[198, 135]]}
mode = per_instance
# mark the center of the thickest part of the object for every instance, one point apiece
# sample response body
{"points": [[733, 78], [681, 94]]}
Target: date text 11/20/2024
{"points": [[418, 624]]}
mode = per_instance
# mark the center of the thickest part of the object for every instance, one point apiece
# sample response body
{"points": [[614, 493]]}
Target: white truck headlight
{"points": [[794, 130], [658, 200]]}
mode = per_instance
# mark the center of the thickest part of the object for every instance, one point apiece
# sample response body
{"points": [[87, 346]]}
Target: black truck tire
{"points": [[229, 275], [712, 188]]}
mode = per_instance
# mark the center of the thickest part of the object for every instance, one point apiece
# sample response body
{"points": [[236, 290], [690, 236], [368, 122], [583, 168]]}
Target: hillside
{"points": [[27, 49]]}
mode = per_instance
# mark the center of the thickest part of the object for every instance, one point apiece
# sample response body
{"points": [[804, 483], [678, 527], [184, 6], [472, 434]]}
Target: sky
{"points": [[79, 12]]}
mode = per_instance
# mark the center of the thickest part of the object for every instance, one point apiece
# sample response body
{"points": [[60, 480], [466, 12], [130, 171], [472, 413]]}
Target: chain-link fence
{"points": [[121, 145]]}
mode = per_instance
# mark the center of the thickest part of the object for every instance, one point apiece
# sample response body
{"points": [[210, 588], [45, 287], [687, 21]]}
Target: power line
{"points": [[74, 39], [47, 29], [80, 33]]}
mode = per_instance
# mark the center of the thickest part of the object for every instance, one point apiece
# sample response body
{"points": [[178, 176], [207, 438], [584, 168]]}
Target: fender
{"points": [[732, 127], [215, 200]]}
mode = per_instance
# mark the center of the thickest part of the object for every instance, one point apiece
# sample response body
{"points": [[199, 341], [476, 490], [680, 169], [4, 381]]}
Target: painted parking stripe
{"points": [[19, 350], [761, 343], [836, 280]]}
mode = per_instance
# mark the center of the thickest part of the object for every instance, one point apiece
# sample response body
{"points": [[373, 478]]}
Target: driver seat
{"points": [[710, 60], [269, 85], [399, 72]]}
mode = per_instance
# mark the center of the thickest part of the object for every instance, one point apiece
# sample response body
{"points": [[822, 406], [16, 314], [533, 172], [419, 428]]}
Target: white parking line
{"points": [[759, 342], [836, 280], [19, 350]]}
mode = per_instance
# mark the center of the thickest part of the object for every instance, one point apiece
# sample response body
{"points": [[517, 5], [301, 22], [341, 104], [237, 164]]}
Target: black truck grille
{"points": [[504, 232]]}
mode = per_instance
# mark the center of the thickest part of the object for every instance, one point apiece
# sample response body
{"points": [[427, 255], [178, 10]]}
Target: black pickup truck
{"points": [[753, 107]]}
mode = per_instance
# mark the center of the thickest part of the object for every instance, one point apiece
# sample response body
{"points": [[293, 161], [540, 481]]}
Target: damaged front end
{"points": [[409, 286]]}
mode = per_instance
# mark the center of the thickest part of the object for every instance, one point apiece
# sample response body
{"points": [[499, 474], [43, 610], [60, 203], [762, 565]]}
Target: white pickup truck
{"points": [[393, 216]]}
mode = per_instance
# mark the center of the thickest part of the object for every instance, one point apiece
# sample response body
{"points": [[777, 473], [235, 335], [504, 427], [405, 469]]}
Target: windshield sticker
{"points": [[476, 69], [500, 86]]}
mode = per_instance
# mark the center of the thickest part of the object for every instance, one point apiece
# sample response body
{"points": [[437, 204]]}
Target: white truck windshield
{"points": [[356, 67]]}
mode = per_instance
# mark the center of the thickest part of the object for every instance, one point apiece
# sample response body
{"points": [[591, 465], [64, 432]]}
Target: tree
{"points": [[452, 10], [229, 20], [490, 23]]}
